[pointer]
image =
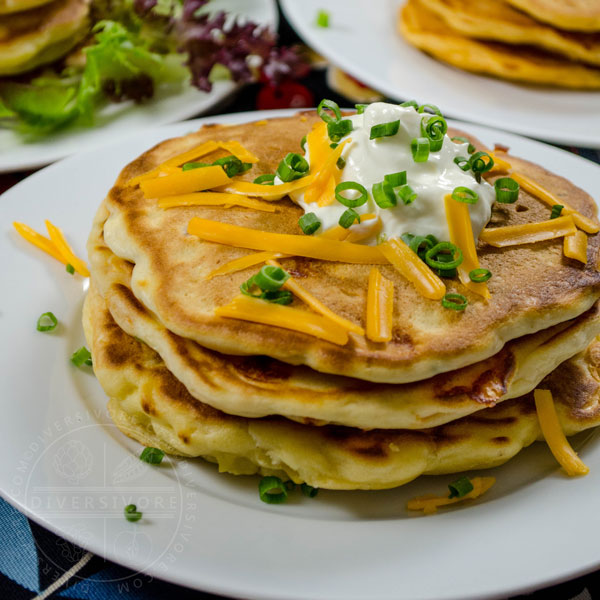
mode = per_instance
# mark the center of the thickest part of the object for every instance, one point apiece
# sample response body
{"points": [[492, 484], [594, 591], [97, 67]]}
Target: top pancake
{"points": [[579, 15], [533, 287]]}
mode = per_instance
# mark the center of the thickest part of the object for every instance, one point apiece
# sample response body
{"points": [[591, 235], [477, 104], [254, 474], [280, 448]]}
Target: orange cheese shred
{"points": [[575, 246], [43, 243], [528, 233], [286, 317], [407, 262], [298, 290], [322, 189], [296, 245], [337, 232], [61, 244], [317, 144], [266, 192], [461, 235], [239, 264], [554, 435], [238, 151], [214, 199], [184, 182], [500, 165], [380, 307]]}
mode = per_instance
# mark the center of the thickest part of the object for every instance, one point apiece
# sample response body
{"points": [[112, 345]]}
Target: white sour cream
{"points": [[368, 161]]}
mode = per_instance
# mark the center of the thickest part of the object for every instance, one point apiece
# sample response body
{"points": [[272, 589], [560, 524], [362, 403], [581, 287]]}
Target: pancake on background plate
{"points": [[579, 15], [12, 6]]}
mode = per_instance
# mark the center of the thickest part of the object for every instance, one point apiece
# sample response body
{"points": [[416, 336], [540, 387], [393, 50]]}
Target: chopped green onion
{"points": [[309, 223], [420, 245], [384, 130], [430, 108], [349, 216], [290, 486], [479, 165], [465, 194], [293, 166], [420, 149], [303, 143], [336, 130], [556, 210], [333, 146], [132, 513], [464, 140], [381, 238], [82, 357], [276, 297], [232, 165], [152, 456], [407, 194], [70, 269], [434, 129], [360, 108], [272, 490], [455, 301], [195, 165], [47, 322], [308, 490], [323, 18], [507, 190], [266, 179], [446, 272], [407, 238], [395, 179], [431, 258], [325, 105], [383, 194], [351, 202], [270, 278], [460, 488], [479, 275], [432, 239], [412, 103], [462, 163], [341, 163]]}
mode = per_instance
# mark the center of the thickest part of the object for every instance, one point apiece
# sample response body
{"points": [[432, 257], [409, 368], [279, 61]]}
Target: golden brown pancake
{"points": [[150, 405], [258, 386], [499, 21], [41, 35], [13, 6], [579, 15], [430, 33], [534, 287]]}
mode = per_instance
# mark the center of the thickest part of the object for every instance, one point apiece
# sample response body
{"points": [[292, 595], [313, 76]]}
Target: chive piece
{"points": [[272, 490], [480, 275], [396, 179], [556, 210], [270, 278], [333, 146], [195, 165], [152, 456], [47, 322], [351, 202], [325, 105], [308, 490], [481, 162], [303, 143], [383, 194], [415, 244], [432, 239], [407, 238], [460, 488], [82, 357], [293, 166], [384, 130], [131, 513], [462, 163], [420, 149], [507, 190], [309, 223], [341, 163], [323, 19], [276, 297], [349, 216], [360, 108], [412, 103], [446, 272], [407, 194], [430, 108], [465, 195], [455, 301], [431, 257], [266, 179], [464, 140], [70, 269], [336, 130], [232, 165], [434, 129]]}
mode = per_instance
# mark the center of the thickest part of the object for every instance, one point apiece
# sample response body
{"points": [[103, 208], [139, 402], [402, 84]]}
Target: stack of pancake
{"points": [[38, 32], [451, 391], [546, 42]]}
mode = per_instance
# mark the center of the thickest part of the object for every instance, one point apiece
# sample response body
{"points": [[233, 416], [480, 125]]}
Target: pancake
{"points": [[150, 405], [430, 33], [13, 6], [41, 35], [534, 287], [580, 15], [497, 20], [261, 386]]}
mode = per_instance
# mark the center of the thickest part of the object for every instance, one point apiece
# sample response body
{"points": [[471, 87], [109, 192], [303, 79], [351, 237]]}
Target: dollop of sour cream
{"points": [[368, 161]]}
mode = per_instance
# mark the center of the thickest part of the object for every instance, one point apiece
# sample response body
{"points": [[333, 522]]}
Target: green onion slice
{"points": [[419, 245], [341, 163], [303, 143], [434, 129], [82, 357], [462, 163], [465, 194], [132, 513], [266, 179], [351, 202], [336, 130], [460, 488], [420, 149], [70, 269], [432, 239], [383, 194], [333, 146], [396, 179], [290, 486], [232, 165], [360, 108], [407, 194], [384, 130], [455, 301], [276, 297], [431, 258], [326, 105], [556, 211], [309, 223], [47, 322], [323, 18], [270, 278], [481, 162], [349, 216], [308, 490], [480, 275], [195, 165], [152, 456], [272, 490], [293, 166], [412, 103], [430, 108], [507, 190], [407, 238], [464, 140]]}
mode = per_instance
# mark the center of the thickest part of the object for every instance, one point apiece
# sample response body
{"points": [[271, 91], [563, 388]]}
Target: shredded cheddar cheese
{"points": [[214, 199], [322, 189], [266, 192], [528, 233], [380, 307], [184, 182], [575, 246], [239, 264]]}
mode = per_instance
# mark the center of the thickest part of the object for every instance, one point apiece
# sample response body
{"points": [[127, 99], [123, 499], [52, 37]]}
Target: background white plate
{"points": [[68, 468], [119, 121], [363, 41]]}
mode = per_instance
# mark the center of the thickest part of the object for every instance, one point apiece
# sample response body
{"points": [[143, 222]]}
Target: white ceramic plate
{"points": [[362, 40], [68, 468], [120, 121]]}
